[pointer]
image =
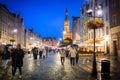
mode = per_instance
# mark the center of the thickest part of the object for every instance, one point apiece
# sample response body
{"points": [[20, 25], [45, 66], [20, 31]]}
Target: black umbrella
{"points": [[9, 45], [74, 45]]}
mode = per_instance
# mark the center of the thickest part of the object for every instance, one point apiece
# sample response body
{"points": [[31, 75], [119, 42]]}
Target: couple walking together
{"points": [[73, 54], [16, 56]]}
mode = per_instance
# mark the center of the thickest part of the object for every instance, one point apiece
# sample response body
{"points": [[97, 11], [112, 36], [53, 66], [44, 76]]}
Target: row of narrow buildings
{"points": [[12, 31]]}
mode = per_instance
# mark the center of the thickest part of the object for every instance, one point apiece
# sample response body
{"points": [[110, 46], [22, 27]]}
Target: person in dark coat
{"points": [[17, 60], [77, 55], [5, 59], [40, 53], [35, 52]]}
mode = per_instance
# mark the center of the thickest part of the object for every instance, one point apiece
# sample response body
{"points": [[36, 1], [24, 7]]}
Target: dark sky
{"points": [[46, 17]]}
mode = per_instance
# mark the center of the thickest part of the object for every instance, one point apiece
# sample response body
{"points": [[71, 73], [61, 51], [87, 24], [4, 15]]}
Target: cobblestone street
{"points": [[50, 69]]}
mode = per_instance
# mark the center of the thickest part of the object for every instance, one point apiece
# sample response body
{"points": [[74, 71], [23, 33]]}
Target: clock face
{"points": [[66, 23]]}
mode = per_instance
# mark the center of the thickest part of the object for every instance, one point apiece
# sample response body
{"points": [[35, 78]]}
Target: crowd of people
{"points": [[41, 52], [16, 55]]}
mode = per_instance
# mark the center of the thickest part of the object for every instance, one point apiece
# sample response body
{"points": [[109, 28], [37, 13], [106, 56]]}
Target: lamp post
{"points": [[94, 65], [94, 68], [94, 25]]}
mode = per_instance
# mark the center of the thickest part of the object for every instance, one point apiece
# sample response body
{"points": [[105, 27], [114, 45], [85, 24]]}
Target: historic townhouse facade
{"points": [[102, 34], [115, 27], [107, 38], [49, 42], [83, 30], [11, 27], [32, 39]]}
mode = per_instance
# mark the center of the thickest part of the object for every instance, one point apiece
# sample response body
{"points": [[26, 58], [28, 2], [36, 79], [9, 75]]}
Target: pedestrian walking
{"points": [[44, 53], [40, 53], [47, 51], [17, 60], [5, 59], [67, 52], [63, 55], [72, 55], [35, 52], [77, 55]]}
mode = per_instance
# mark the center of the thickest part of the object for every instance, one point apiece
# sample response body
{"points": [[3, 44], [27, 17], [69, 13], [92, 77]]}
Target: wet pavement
{"points": [[51, 69]]}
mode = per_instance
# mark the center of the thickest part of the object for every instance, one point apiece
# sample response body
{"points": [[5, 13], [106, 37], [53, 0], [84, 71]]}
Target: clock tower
{"points": [[66, 32]]}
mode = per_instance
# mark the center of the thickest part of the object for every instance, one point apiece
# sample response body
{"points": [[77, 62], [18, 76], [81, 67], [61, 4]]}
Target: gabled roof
{"points": [[4, 6]]}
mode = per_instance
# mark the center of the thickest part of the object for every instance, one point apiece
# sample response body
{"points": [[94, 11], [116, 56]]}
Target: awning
{"points": [[97, 41]]}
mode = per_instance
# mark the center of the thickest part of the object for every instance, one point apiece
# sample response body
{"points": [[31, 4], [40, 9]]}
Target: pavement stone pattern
{"points": [[51, 69]]}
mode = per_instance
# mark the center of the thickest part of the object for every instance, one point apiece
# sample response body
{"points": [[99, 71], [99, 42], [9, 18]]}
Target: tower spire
{"points": [[66, 14]]}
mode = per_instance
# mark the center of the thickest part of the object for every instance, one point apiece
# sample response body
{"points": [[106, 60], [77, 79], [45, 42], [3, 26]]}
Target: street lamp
{"points": [[64, 32], [31, 38], [60, 39], [94, 24], [99, 12], [15, 30], [15, 35]]}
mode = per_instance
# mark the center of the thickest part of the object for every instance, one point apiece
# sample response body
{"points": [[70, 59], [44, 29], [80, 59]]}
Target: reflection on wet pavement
{"points": [[51, 69]]}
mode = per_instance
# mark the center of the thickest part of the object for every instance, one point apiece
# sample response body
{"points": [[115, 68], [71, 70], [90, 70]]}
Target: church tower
{"points": [[66, 32], [66, 22]]}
